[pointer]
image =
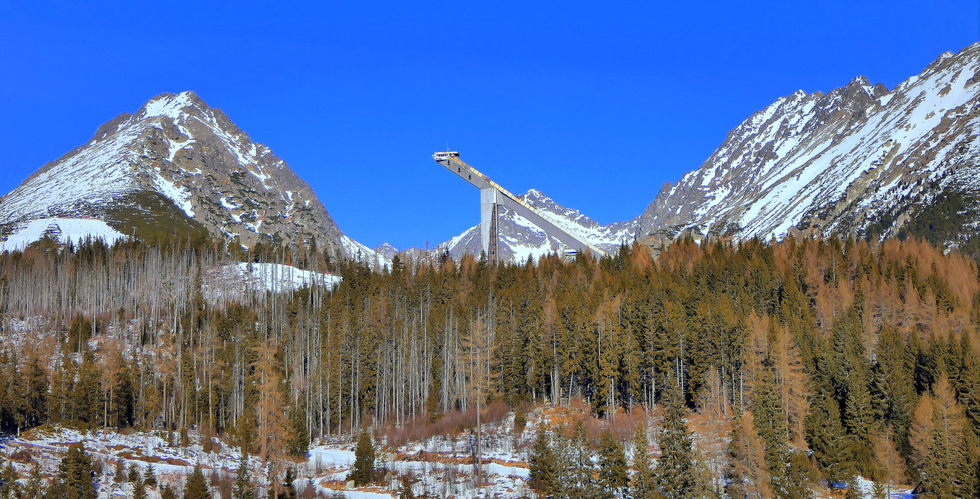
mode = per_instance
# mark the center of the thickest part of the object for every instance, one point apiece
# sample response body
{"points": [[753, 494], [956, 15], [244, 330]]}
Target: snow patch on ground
{"points": [[235, 280], [62, 229]]}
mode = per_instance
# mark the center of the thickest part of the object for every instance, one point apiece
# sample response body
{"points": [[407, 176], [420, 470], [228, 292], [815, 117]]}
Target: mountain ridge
{"points": [[829, 164], [177, 165]]}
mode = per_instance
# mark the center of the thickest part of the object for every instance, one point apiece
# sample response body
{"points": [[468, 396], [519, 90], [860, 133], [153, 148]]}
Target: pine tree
{"points": [[88, 393], [578, 476], [363, 470], [299, 438], [150, 478], [677, 472], [243, 488], [613, 469], [35, 484], [642, 485], [405, 491], [37, 394], [9, 488], [543, 466], [824, 431], [289, 485], [894, 383], [860, 419], [75, 479], [139, 491], [196, 486], [134, 474]]}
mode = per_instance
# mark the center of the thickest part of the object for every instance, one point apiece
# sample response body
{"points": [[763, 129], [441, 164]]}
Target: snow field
{"points": [[74, 230]]}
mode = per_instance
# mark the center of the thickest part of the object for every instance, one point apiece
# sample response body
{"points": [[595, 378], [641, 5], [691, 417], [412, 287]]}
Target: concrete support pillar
{"points": [[489, 202]]}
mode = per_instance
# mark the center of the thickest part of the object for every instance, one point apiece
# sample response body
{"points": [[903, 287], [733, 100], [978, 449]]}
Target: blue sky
{"points": [[596, 104]]}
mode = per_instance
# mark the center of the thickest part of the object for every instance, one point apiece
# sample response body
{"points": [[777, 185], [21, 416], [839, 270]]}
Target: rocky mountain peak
{"points": [[179, 166], [857, 160]]}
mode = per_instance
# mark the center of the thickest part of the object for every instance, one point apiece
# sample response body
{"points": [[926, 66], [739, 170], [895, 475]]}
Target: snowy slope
{"points": [[520, 239], [235, 281], [177, 166], [63, 230], [834, 163]]}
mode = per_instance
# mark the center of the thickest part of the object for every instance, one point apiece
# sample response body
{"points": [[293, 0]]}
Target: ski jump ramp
{"points": [[492, 196]]}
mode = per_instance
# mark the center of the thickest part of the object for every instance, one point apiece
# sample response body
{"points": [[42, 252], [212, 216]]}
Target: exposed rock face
{"points": [[521, 239], [859, 160], [178, 167]]}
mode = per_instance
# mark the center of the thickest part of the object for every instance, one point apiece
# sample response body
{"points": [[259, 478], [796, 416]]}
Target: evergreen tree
{"points": [[642, 485], [824, 431], [613, 469], [894, 383], [134, 475], [578, 476], [196, 486], [35, 484], [150, 478], [88, 393], [860, 420], [677, 472], [405, 491], [76, 478], [167, 492], [37, 394], [299, 438], [363, 470], [139, 491], [243, 488], [543, 466], [289, 484], [9, 488]]}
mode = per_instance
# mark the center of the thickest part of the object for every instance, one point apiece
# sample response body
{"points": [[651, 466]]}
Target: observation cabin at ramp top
{"points": [[493, 196]]}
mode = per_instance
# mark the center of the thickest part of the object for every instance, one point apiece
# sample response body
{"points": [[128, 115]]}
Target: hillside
{"points": [[175, 168], [859, 160]]}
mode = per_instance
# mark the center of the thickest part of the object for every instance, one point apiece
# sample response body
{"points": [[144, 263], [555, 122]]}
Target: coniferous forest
{"points": [[829, 358]]}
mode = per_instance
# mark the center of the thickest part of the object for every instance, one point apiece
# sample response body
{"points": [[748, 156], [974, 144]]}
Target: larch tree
{"points": [[747, 473]]}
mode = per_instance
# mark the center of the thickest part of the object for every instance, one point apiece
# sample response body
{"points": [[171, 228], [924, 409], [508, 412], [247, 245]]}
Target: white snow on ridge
{"points": [[805, 152], [170, 107], [178, 195], [63, 229], [363, 253], [76, 179]]}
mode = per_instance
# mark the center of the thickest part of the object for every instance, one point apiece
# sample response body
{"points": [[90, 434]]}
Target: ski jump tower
{"points": [[492, 196]]}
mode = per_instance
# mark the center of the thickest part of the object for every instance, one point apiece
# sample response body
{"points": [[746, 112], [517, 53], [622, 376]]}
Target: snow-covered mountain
{"points": [[860, 160], [521, 239], [176, 166]]}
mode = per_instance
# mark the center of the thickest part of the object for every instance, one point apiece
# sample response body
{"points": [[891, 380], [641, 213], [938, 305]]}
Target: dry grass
{"points": [[451, 423], [621, 424]]}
